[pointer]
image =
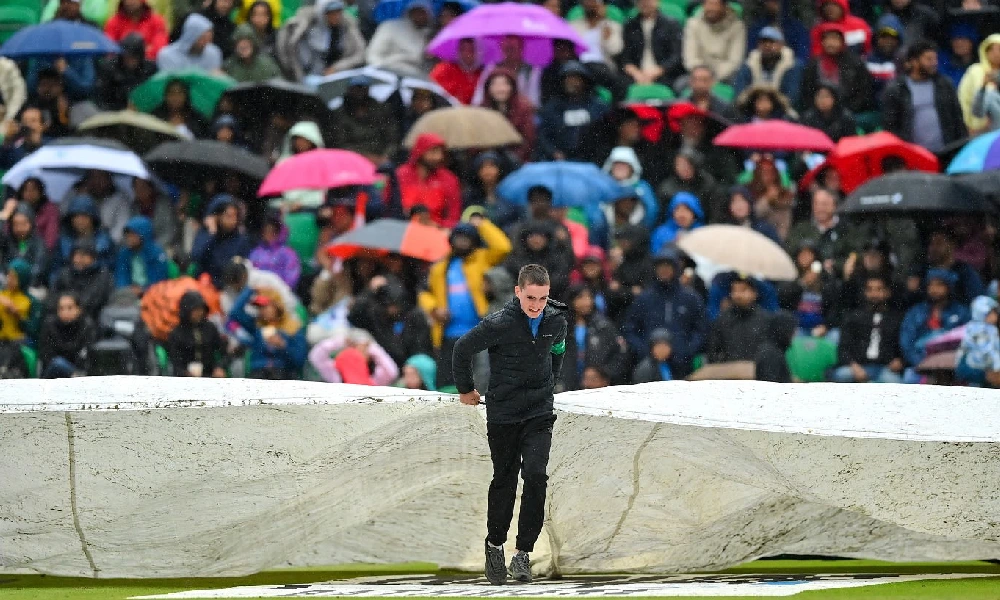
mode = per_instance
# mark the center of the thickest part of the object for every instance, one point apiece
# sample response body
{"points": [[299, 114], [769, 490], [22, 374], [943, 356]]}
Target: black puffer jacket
{"points": [[194, 342], [523, 369], [68, 340]]}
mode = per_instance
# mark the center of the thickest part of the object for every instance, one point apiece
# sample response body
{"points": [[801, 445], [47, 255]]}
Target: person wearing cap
{"points": [[564, 119], [398, 44], [362, 124], [193, 49], [717, 38], [652, 46], [741, 328], [936, 314], [888, 53], [136, 16], [320, 40], [836, 63], [771, 63], [119, 74]]}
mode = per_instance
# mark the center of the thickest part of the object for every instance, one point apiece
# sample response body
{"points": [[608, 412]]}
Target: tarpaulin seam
{"points": [[635, 484], [72, 495]]}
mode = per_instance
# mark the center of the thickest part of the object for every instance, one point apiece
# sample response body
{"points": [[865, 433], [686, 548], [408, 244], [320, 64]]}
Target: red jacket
{"points": [[440, 192], [857, 33], [150, 26], [456, 81]]}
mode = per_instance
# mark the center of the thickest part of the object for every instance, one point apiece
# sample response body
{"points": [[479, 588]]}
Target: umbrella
{"points": [[393, 235], [393, 9], [139, 131], [298, 99], [859, 158], [60, 166], [318, 170], [940, 361], [571, 184], [774, 134], [331, 87], [490, 23], [205, 90], [740, 249], [915, 192], [58, 38], [987, 182], [982, 153], [199, 160], [466, 127]]}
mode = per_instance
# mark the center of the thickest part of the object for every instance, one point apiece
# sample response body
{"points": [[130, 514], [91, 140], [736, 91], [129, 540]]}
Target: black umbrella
{"points": [[255, 99], [912, 193], [199, 160], [986, 182]]}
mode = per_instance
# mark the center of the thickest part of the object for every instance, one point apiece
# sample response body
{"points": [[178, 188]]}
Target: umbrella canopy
{"points": [[393, 9], [466, 127], [199, 160], [298, 99], [393, 235], [58, 38], [139, 131], [859, 158], [318, 170], [982, 153], [571, 184], [490, 23], [205, 90], [61, 166], [382, 83], [774, 134], [986, 183], [912, 192], [740, 249]]}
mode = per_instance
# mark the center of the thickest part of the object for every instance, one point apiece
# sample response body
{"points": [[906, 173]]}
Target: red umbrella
{"points": [[859, 158], [392, 235], [774, 134], [318, 170]]}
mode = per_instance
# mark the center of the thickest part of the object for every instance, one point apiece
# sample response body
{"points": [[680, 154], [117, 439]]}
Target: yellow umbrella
{"points": [[466, 127], [740, 249]]}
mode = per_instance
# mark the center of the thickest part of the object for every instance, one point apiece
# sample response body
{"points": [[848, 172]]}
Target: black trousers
{"points": [[518, 448]]}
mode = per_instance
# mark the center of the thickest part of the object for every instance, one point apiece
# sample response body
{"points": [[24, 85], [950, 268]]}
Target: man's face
{"points": [[563, 51], [433, 158], [573, 84], [591, 8], [532, 298], [649, 8], [937, 291], [661, 351], [701, 82], [873, 260], [961, 46], [32, 120], [540, 205], [832, 11], [743, 294], [593, 380], [714, 10], [993, 54], [823, 206], [876, 292], [467, 51], [833, 44], [223, 7], [334, 18], [83, 260], [133, 240], [629, 132], [928, 63], [665, 271], [82, 223], [202, 41], [229, 219], [899, 4], [512, 47], [70, 9], [537, 242], [940, 249], [887, 43], [769, 48], [772, 7], [461, 244], [824, 100], [99, 183], [198, 314], [49, 88], [419, 17]]}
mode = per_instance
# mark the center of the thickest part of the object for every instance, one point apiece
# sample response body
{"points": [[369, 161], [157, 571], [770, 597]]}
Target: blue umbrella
{"points": [[393, 9], [980, 154], [58, 38], [572, 184]]}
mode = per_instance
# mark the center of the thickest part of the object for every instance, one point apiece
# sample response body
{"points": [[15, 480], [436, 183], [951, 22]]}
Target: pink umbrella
{"points": [[774, 134], [318, 170], [490, 23]]}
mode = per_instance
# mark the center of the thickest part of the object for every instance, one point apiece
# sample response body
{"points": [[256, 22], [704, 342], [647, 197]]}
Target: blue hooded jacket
{"points": [[213, 252], [914, 332], [290, 359], [82, 205], [667, 233], [980, 348], [153, 257]]}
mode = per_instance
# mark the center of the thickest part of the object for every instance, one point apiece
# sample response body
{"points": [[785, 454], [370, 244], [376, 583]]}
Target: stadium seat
{"points": [[675, 9], [639, 92], [724, 91], [810, 358], [17, 14], [162, 360], [303, 235], [614, 13], [31, 359], [604, 94]]}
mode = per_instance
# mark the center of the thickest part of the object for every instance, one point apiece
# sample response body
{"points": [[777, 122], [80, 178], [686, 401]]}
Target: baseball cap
{"points": [[331, 5], [771, 33]]}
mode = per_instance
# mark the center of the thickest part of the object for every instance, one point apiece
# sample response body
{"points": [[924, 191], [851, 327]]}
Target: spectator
{"points": [[701, 85], [835, 15], [503, 96], [112, 203], [490, 168], [594, 273], [50, 96], [223, 27], [220, 240], [273, 254], [239, 274], [389, 316], [550, 85], [741, 329], [777, 14], [595, 377], [962, 54], [13, 91], [19, 241], [603, 37], [869, 338], [978, 360], [119, 74], [833, 239], [193, 50], [741, 214], [920, 21], [425, 179], [151, 203], [888, 52], [141, 261], [773, 201], [771, 63], [71, 79], [986, 105], [941, 250], [136, 16], [226, 129], [194, 347], [460, 78], [454, 299], [564, 119], [977, 76], [362, 124], [814, 297], [828, 113], [537, 244], [15, 304], [656, 365], [835, 64], [263, 16], [566, 235], [81, 223], [938, 313], [686, 215], [277, 343], [354, 351], [716, 38], [177, 110], [248, 63], [624, 167], [22, 137], [690, 176], [419, 373], [922, 107], [666, 304], [874, 259], [770, 362], [46, 215], [65, 338], [304, 136], [762, 103], [652, 46], [85, 277], [719, 292], [529, 78], [631, 264], [320, 40], [398, 44]]}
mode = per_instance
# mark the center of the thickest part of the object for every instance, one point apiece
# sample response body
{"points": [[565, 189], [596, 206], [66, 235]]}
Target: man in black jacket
{"points": [[741, 329], [839, 66], [869, 339], [526, 340], [652, 46]]}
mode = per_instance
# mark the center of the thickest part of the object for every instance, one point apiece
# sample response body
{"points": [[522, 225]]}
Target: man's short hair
{"points": [[234, 273], [710, 70], [532, 275], [917, 49]]}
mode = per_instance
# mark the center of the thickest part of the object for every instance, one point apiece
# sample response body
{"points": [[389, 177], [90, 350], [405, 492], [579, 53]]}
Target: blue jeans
{"points": [[876, 374], [59, 368]]}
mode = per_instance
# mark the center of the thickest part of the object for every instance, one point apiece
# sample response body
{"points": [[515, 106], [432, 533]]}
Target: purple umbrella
{"points": [[490, 23]]}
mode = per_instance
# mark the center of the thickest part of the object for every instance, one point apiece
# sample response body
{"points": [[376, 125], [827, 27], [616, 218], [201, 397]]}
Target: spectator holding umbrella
{"points": [[651, 50], [938, 313], [869, 338], [193, 49], [459, 78], [564, 119], [136, 16], [119, 74], [503, 96], [112, 203], [363, 124], [425, 179], [195, 347], [65, 338], [529, 78]]}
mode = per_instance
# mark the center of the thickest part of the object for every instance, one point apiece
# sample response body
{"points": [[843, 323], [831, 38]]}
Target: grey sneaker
{"points": [[520, 567], [496, 572]]}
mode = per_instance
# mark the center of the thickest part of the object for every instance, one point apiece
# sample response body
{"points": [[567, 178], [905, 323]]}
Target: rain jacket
{"points": [[838, 123], [973, 81], [600, 347], [643, 191], [564, 120], [557, 261], [737, 334], [335, 370], [307, 198], [856, 337], [278, 258], [667, 233], [150, 255], [67, 340], [440, 191], [407, 334], [31, 249], [194, 342], [980, 347], [916, 331], [882, 67], [853, 75], [178, 55], [427, 368], [12, 323], [290, 359], [261, 67], [303, 42], [13, 92], [83, 205], [399, 47], [857, 33], [93, 285], [456, 80], [898, 113], [786, 75], [373, 134], [150, 26], [721, 45], [770, 362], [213, 252], [114, 81]]}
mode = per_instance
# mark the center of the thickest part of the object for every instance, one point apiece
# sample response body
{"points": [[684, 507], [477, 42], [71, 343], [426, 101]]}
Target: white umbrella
{"points": [[738, 249], [59, 167]]}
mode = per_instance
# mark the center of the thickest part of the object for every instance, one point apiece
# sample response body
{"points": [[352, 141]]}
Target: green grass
{"points": [[42, 587]]}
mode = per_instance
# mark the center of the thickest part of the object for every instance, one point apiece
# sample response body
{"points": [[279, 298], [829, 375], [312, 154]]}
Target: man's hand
{"points": [[441, 315], [859, 373], [896, 365], [470, 398]]}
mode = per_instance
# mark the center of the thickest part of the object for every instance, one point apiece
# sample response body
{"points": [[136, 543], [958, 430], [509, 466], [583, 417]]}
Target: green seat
{"points": [[724, 91], [675, 9], [303, 234], [810, 358], [614, 13], [639, 92], [31, 359], [14, 18], [303, 313], [604, 94], [697, 362], [173, 271], [289, 8], [162, 360]]}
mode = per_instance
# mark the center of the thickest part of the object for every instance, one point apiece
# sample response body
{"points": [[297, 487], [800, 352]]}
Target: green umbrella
{"points": [[205, 89]]}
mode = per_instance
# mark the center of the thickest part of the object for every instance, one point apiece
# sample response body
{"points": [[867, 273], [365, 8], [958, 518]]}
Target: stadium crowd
{"points": [[187, 272]]}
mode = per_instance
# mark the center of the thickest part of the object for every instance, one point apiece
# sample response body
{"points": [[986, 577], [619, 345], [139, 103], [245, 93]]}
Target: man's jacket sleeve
{"points": [[473, 342], [559, 352]]}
